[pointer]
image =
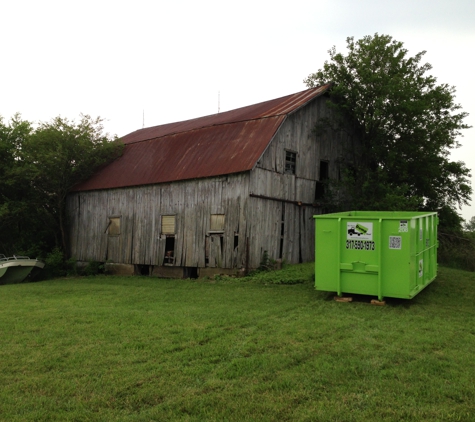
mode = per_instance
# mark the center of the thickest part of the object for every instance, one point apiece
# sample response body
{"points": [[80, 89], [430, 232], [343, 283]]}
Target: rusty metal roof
{"points": [[224, 143]]}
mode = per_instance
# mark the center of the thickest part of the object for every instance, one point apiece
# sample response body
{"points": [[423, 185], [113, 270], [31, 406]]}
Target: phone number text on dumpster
{"points": [[364, 245]]}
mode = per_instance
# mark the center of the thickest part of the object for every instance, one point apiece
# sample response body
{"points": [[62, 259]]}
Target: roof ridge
{"points": [[205, 126], [280, 108]]}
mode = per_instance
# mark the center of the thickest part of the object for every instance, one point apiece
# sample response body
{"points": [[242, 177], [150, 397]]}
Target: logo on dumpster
{"points": [[360, 231], [359, 236], [403, 226]]}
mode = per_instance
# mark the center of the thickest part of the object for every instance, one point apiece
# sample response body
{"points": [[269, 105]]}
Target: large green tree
{"points": [[16, 212], [40, 168], [407, 122]]}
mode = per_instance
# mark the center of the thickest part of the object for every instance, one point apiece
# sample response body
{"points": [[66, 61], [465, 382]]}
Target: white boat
{"points": [[16, 269]]}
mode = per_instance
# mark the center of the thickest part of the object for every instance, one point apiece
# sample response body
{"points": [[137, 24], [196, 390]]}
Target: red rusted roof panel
{"points": [[205, 152], [225, 143]]}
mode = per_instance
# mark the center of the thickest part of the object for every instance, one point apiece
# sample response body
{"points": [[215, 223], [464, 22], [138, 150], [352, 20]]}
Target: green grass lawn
{"points": [[144, 349]]}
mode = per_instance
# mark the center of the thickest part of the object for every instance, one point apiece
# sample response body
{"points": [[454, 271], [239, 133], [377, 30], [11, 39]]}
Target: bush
{"points": [[456, 250], [56, 266], [94, 268]]}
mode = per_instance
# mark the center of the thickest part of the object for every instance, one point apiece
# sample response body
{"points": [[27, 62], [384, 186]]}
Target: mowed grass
{"points": [[146, 349]]}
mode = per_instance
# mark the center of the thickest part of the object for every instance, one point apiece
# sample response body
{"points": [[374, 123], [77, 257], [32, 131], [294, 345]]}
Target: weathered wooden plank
{"points": [[161, 249], [140, 210], [254, 222], [305, 190]]}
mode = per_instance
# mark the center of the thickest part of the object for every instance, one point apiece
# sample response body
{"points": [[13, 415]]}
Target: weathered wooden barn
{"points": [[210, 195]]}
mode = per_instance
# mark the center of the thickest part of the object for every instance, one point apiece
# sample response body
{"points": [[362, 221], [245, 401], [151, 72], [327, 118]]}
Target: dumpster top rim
{"points": [[376, 215]]}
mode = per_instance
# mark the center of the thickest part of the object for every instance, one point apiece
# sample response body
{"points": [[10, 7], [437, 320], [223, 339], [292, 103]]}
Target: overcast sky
{"points": [[164, 61]]}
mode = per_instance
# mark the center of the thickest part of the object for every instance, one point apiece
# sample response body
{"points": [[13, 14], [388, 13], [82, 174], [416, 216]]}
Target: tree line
{"points": [[407, 122], [39, 164]]}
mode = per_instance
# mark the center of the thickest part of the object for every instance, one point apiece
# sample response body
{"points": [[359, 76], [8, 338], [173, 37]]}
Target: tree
{"points": [[407, 124], [16, 212], [470, 225], [60, 154], [38, 167]]}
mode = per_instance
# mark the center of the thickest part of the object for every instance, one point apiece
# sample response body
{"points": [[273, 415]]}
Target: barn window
{"points": [[113, 227], [216, 223], [168, 224], [290, 162], [168, 228], [169, 258]]}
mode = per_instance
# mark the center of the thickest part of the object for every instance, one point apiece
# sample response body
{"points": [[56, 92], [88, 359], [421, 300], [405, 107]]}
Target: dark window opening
{"points": [[169, 258], [290, 162], [322, 182], [282, 231], [208, 241], [236, 240], [207, 251]]}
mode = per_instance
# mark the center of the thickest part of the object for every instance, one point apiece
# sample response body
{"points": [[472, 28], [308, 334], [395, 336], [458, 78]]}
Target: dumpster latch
{"points": [[359, 267]]}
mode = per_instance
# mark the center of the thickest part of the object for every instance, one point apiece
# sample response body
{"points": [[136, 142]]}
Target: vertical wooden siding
{"points": [[141, 208], [255, 221], [268, 179], [297, 134]]}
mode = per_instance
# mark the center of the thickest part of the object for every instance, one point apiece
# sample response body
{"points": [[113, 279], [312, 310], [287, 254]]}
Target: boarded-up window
{"points": [[168, 224], [113, 228], [217, 223]]}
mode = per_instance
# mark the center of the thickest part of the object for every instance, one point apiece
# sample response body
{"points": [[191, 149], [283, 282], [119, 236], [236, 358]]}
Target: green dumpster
{"points": [[383, 254]]}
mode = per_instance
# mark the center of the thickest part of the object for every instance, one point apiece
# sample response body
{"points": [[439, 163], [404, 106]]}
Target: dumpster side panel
{"points": [[395, 258], [387, 254], [326, 255], [424, 257]]}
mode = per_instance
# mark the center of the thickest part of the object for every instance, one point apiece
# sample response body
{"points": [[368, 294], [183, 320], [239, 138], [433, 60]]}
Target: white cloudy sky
{"points": [[167, 60]]}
